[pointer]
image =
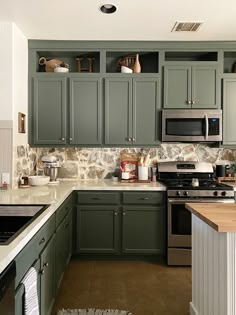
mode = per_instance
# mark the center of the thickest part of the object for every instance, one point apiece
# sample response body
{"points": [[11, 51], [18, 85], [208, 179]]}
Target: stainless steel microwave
{"points": [[191, 125]]}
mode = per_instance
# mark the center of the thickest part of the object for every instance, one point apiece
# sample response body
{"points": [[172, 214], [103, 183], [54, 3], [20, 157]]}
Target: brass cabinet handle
{"points": [[123, 213], [193, 102], [189, 102], [133, 139], [42, 271], [129, 139], [46, 264], [115, 213], [144, 198], [95, 198]]}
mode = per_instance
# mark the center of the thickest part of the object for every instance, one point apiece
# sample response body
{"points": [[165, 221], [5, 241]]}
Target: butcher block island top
{"points": [[220, 216]]}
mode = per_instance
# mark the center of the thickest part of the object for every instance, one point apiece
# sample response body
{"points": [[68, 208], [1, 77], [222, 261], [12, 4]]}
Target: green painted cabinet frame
{"points": [[229, 111], [132, 111], [191, 86]]}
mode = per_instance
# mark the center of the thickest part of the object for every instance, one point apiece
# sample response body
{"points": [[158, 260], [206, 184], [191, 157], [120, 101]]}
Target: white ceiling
{"points": [[133, 20]]}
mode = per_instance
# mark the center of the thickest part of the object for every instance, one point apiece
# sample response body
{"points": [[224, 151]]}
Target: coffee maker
{"points": [[51, 167]]}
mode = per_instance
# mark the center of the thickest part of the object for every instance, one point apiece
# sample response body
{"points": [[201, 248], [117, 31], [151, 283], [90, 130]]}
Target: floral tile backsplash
{"points": [[98, 163]]}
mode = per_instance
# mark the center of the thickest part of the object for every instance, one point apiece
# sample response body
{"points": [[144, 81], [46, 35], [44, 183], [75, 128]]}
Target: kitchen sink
{"points": [[15, 218]]}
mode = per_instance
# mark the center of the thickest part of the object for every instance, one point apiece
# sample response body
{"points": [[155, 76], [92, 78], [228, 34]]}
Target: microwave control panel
{"points": [[214, 127]]}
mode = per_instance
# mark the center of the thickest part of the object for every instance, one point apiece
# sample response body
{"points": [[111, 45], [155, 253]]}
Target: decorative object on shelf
{"points": [[125, 69], [61, 69], [137, 66], [21, 122], [51, 64], [127, 62], [85, 64], [129, 163]]}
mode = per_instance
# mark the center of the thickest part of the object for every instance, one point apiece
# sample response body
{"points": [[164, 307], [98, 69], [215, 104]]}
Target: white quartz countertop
{"points": [[55, 195]]}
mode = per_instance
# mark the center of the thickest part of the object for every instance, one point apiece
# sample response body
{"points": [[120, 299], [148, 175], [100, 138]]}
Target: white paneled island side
{"points": [[213, 259]]}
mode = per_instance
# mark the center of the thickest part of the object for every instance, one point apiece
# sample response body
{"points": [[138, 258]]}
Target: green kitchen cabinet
{"points": [[49, 110], [229, 111], [142, 229], [191, 86], [120, 223], [66, 111], [47, 277], [85, 111], [132, 110], [97, 229]]}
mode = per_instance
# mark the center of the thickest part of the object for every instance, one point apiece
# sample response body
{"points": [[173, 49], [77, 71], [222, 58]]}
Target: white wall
{"points": [[20, 83], [6, 73]]}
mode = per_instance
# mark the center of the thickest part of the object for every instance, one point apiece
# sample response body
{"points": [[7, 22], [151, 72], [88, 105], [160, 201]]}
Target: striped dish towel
{"points": [[31, 303]]}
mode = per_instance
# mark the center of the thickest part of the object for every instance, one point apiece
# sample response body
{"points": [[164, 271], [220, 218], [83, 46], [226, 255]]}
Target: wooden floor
{"points": [[143, 288]]}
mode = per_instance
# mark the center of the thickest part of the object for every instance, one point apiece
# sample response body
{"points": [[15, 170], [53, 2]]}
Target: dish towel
{"points": [[31, 303]]}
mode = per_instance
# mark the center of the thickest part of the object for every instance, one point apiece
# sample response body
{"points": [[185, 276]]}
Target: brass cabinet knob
{"points": [[133, 139], [115, 213], [193, 102], [123, 213], [71, 139], [189, 102], [62, 139], [129, 139]]}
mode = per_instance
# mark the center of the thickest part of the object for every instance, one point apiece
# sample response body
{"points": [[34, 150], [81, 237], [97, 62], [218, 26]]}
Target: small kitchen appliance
{"points": [[51, 167], [187, 182], [194, 125]]}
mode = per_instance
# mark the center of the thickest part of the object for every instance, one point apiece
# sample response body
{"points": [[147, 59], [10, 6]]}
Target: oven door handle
{"points": [[206, 126], [198, 200]]}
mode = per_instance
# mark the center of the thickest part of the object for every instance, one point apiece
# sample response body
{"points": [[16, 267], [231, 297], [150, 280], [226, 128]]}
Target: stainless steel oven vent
{"points": [[186, 26]]}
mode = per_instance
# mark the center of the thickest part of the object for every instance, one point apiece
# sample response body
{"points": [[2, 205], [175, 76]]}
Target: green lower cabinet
{"points": [[229, 112], [69, 227], [47, 277], [142, 230], [97, 229], [60, 252], [20, 292]]}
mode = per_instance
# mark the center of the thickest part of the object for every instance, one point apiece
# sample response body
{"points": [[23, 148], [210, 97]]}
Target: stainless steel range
{"points": [[187, 182]]}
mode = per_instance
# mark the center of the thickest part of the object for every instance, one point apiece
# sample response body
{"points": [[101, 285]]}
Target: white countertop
{"points": [[55, 195]]}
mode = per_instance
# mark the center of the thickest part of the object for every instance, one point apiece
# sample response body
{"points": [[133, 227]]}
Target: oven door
{"points": [[179, 224], [179, 220]]}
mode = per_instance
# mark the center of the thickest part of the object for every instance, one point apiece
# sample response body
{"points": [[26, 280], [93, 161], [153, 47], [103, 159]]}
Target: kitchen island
{"points": [[213, 259]]}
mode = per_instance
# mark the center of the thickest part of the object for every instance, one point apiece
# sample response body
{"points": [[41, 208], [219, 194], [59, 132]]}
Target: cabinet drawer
{"points": [[63, 210], [98, 198], [45, 233], [143, 198], [31, 251]]}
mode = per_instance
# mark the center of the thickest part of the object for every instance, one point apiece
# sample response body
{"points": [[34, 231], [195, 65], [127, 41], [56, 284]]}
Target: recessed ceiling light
{"points": [[108, 8]]}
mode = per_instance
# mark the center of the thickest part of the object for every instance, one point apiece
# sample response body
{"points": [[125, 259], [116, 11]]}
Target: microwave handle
{"points": [[207, 126]]}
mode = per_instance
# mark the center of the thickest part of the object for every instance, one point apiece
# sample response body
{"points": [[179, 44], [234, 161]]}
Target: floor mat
{"points": [[92, 311]]}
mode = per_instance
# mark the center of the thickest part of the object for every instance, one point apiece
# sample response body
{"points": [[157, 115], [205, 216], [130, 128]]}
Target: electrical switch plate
{"points": [[6, 178]]}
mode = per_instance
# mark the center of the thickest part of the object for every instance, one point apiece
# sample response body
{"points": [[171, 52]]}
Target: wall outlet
{"points": [[6, 178]]}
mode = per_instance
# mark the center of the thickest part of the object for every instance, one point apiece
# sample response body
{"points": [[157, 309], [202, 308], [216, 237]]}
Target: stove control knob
{"points": [[178, 193], [215, 193], [186, 193], [223, 193]]}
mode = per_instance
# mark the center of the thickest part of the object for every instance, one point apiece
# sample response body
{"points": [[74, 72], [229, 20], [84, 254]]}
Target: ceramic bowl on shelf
{"points": [[125, 69], [61, 69], [38, 180]]}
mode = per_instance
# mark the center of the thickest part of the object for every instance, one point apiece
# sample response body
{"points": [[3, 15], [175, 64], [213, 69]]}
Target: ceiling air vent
{"points": [[186, 26]]}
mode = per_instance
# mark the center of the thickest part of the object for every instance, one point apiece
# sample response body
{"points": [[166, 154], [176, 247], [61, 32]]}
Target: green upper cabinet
{"points": [[191, 86], [132, 109], [229, 111], [85, 111], [66, 111], [49, 110]]}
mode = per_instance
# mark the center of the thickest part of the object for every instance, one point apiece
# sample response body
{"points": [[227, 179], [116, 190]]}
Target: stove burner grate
{"points": [[5, 236]]}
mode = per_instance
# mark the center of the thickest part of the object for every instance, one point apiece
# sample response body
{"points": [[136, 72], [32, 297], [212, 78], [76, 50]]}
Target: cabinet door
{"points": [[229, 112], [49, 122], [60, 252], [85, 111], [20, 291], [205, 87], [69, 233], [142, 230], [146, 111], [177, 87], [47, 261], [97, 229], [118, 111]]}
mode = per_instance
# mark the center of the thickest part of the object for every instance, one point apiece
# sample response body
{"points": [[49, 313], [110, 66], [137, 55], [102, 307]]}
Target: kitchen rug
{"points": [[92, 311]]}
